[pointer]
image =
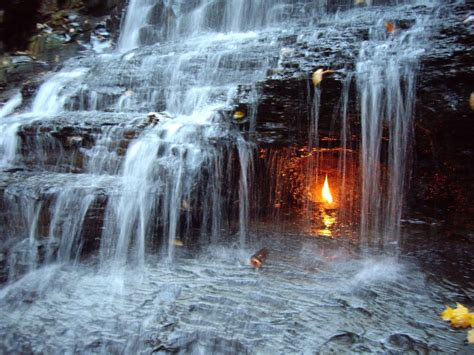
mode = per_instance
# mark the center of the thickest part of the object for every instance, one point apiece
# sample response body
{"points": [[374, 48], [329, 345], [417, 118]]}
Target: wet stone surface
{"points": [[444, 149], [314, 295]]}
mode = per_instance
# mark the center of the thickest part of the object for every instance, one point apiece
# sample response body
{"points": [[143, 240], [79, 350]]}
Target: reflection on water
{"points": [[329, 218], [312, 295]]}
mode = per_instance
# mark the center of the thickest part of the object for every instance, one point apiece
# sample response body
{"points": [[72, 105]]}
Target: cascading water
{"points": [[155, 79], [126, 156], [386, 79], [165, 172], [10, 106]]}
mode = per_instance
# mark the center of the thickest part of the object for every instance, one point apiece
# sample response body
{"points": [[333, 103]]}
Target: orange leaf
{"points": [[389, 26]]}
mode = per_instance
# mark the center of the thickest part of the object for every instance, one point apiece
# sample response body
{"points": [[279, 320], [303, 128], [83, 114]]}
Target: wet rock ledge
{"points": [[443, 158]]}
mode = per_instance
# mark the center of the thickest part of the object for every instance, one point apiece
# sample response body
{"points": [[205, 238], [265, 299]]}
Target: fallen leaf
{"points": [[318, 76], [239, 115], [447, 313], [389, 26], [359, 2], [462, 321], [185, 205], [459, 317], [470, 336], [177, 243], [471, 101], [460, 310]]}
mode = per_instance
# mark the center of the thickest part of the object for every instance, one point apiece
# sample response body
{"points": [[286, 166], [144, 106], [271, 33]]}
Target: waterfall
{"points": [[52, 95], [386, 78], [149, 21], [8, 143], [24, 256], [345, 161], [10, 106], [145, 135], [156, 184], [8, 129], [137, 10]]}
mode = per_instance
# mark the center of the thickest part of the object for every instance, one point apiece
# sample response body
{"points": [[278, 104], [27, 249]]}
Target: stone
{"points": [[407, 344], [156, 15], [152, 118], [74, 141], [15, 69], [149, 35]]}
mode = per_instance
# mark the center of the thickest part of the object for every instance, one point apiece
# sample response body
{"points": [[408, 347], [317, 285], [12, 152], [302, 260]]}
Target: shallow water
{"points": [[312, 295]]}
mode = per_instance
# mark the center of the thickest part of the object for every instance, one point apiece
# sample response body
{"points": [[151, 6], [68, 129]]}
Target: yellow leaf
{"points": [[461, 321], [359, 2], [447, 313], [239, 115], [318, 76], [460, 310], [177, 243], [185, 205], [471, 101], [459, 317], [471, 319], [470, 336]]}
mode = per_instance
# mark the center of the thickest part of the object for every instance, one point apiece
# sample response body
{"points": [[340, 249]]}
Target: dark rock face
{"points": [[101, 7], [18, 22], [285, 101], [443, 155], [443, 173]]}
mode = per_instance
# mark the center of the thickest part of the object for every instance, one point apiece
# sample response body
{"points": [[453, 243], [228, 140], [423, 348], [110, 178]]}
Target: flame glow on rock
{"points": [[327, 192]]}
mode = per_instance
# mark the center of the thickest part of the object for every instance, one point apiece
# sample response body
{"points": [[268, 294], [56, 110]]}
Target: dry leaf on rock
{"points": [[318, 76], [459, 316], [470, 336], [239, 115], [389, 26]]}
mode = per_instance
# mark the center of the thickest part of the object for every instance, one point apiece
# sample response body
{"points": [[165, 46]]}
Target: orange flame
{"points": [[327, 192]]}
